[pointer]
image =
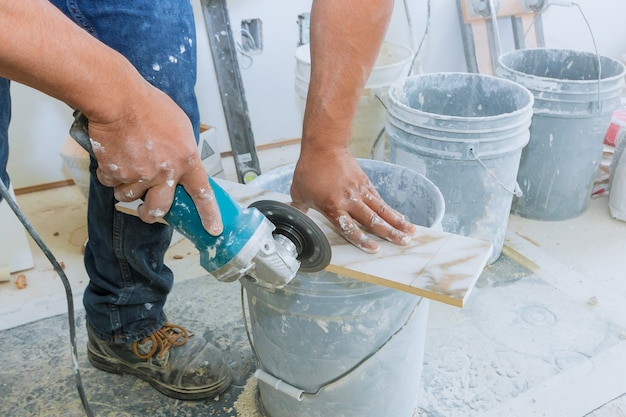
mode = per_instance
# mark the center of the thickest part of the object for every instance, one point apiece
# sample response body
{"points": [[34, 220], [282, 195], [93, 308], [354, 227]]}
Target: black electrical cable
{"points": [[68, 290]]}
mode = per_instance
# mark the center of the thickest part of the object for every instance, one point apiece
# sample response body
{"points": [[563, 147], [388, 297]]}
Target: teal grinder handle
{"points": [[217, 252]]}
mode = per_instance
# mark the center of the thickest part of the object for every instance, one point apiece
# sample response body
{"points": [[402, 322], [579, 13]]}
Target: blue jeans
{"points": [[129, 282]]}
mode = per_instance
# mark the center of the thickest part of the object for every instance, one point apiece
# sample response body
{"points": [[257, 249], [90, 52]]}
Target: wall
{"points": [[40, 124]]}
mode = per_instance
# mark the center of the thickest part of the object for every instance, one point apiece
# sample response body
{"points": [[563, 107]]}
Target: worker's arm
{"points": [[345, 40], [143, 141]]}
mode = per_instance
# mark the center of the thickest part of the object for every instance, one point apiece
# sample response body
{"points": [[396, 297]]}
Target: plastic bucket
{"points": [[575, 96], [391, 65], [328, 345], [464, 132]]}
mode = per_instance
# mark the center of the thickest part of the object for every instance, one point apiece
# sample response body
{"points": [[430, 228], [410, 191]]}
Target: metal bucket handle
{"points": [[517, 191], [377, 141], [298, 393]]}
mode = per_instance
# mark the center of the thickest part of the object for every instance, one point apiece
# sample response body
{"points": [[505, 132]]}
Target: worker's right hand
{"points": [[145, 151]]}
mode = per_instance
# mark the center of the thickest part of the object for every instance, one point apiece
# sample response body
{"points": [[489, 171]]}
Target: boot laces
{"points": [[162, 340]]}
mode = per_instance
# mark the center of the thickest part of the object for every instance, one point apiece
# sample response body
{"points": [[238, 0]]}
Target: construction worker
{"points": [[130, 67]]}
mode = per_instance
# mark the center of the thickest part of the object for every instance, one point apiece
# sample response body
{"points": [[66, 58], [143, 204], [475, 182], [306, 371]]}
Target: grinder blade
{"points": [[311, 244]]}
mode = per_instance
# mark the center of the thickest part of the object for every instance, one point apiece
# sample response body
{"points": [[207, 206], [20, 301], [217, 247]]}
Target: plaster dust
{"points": [[245, 404]]}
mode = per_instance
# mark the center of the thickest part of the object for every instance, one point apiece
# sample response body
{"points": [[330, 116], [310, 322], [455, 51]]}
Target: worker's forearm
{"points": [[345, 40], [41, 48]]}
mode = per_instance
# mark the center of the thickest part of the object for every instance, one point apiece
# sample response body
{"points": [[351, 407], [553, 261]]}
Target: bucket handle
{"points": [[377, 141], [517, 191], [298, 393]]}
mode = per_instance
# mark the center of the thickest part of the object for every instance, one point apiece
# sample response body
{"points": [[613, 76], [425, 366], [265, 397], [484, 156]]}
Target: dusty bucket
{"points": [[328, 345], [464, 132], [575, 96], [391, 65]]}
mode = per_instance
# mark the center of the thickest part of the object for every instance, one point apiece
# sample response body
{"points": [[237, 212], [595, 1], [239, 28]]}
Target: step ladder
{"points": [[479, 28]]}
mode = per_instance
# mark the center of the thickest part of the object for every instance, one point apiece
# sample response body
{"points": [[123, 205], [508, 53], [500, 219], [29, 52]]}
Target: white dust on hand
{"points": [[351, 232], [206, 194], [96, 147], [157, 212], [348, 227]]}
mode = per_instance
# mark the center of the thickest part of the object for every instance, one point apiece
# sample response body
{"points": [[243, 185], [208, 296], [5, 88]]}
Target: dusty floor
{"points": [[543, 334]]}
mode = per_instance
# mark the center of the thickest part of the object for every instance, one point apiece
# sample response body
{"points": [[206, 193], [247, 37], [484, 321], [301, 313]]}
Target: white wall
{"points": [[40, 123]]}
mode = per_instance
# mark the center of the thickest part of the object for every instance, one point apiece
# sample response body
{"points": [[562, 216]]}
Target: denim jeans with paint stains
{"points": [[129, 282]]}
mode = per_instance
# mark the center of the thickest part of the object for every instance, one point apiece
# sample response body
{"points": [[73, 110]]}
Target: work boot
{"points": [[172, 360]]}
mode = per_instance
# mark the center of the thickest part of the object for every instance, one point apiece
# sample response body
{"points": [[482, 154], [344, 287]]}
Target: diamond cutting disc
{"points": [[311, 244]]}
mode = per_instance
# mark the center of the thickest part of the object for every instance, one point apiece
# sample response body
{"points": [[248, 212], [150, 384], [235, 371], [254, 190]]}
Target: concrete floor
{"points": [[543, 334]]}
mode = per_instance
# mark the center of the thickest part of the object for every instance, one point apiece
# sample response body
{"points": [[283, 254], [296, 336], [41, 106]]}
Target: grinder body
{"points": [[246, 247]]}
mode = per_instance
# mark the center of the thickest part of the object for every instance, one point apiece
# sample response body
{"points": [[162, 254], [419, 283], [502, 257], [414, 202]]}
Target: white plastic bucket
{"points": [[328, 345], [464, 132], [391, 65], [575, 96]]}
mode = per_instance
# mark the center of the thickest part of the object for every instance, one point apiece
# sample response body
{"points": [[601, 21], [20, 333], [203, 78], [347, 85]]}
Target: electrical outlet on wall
{"points": [[252, 35]]}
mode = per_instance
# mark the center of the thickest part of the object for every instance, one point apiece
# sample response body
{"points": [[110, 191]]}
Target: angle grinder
{"points": [[268, 242]]}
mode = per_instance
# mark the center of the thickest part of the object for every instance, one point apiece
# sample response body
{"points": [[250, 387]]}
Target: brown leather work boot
{"points": [[171, 360]]}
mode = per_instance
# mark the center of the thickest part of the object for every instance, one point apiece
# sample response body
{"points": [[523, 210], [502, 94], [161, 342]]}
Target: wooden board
{"points": [[437, 265]]}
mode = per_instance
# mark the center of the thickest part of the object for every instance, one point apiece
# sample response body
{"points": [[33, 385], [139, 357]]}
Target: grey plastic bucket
{"points": [[328, 345], [464, 132], [574, 100]]}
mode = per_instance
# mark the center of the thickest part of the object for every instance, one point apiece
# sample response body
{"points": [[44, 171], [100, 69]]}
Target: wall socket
{"points": [[252, 35]]}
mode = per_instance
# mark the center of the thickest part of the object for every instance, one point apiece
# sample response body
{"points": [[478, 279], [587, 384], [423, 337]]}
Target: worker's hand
{"points": [[145, 151], [332, 182]]}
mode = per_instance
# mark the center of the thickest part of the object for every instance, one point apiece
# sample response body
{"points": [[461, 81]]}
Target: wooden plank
{"points": [[437, 265], [483, 51]]}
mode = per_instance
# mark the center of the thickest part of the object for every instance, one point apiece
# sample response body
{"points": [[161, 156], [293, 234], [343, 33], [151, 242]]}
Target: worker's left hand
{"points": [[332, 182]]}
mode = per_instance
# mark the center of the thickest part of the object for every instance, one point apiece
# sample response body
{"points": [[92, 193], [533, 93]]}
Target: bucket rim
{"points": [[397, 46], [501, 66], [528, 108]]}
